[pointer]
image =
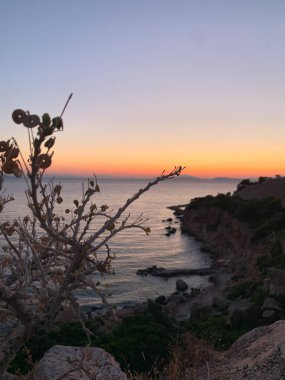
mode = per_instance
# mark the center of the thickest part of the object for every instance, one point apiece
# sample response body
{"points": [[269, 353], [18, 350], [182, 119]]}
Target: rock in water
{"points": [[181, 285], [84, 363]]}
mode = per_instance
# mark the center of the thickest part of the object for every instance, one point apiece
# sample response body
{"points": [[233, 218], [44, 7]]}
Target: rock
{"points": [[270, 304], [186, 296], [154, 271], [258, 354], [9, 376], [183, 312], [160, 300], [66, 363], [176, 298], [170, 230], [194, 292], [242, 311], [162, 272], [275, 281], [171, 308], [69, 315], [270, 315], [181, 285]]}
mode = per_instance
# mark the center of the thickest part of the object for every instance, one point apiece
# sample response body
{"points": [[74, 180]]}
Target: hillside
{"points": [[263, 188], [246, 228]]}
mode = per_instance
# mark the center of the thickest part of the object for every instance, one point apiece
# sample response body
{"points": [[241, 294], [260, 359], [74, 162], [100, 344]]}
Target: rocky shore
{"points": [[239, 317]]}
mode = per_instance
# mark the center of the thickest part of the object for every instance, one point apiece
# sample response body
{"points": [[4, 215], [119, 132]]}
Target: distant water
{"points": [[133, 249]]}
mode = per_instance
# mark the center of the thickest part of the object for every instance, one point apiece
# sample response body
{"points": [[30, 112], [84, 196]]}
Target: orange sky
{"points": [[207, 162], [156, 84]]}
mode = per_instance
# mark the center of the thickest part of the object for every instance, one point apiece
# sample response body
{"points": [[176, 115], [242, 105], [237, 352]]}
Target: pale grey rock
{"points": [[258, 354], [74, 363]]}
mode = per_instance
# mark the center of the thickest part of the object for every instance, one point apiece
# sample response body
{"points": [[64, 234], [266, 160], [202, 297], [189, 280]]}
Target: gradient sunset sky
{"points": [[156, 83]]}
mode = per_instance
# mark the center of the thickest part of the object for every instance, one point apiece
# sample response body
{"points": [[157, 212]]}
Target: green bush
{"points": [[140, 342], [240, 290], [216, 331], [137, 343], [276, 258], [263, 216]]}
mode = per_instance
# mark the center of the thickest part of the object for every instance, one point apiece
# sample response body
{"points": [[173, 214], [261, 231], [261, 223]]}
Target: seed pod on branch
{"points": [[110, 226], [8, 166], [50, 142], [43, 161], [3, 146], [19, 116], [31, 121], [57, 122], [12, 153], [46, 119]]}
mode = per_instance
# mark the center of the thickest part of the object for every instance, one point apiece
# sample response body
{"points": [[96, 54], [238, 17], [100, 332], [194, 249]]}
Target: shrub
{"points": [[241, 290], [49, 254], [139, 343]]}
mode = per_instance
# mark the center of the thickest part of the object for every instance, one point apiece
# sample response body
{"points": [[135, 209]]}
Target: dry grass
{"points": [[190, 359]]}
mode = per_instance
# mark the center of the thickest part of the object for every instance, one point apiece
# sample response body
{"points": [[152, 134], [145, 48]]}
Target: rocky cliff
{"points": [[224, 235], [236, 229]]}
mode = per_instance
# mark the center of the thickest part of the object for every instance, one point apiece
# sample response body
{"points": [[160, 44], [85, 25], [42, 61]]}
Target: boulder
{"points": [[270, 304], [270, 315], [84, 363], [242, 311], [176, 298], [183, 312], [275, 281], [181, 285], [258, 354], [160, 300], [171, 308], [70, 315]]}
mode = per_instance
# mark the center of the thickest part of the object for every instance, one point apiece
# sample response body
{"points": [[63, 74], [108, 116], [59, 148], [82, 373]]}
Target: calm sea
{"points": [[133, 249]]}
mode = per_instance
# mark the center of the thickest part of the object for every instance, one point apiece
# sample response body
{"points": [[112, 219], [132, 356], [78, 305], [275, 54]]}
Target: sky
{"points": [[156, 83]]}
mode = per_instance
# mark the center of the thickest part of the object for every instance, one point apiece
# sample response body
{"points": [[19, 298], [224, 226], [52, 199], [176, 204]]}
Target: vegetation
{"points": [[48, 253], [140, 343], [263, 216], [247, 182], [152, 344], [275, 258]]}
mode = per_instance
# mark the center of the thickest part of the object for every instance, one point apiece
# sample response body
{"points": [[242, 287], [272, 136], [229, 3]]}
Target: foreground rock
{"points": [[84, 363], [258, 354]]}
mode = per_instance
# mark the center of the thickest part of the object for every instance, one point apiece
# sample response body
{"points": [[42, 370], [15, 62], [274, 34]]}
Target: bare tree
{"points": [[49, 254]]}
